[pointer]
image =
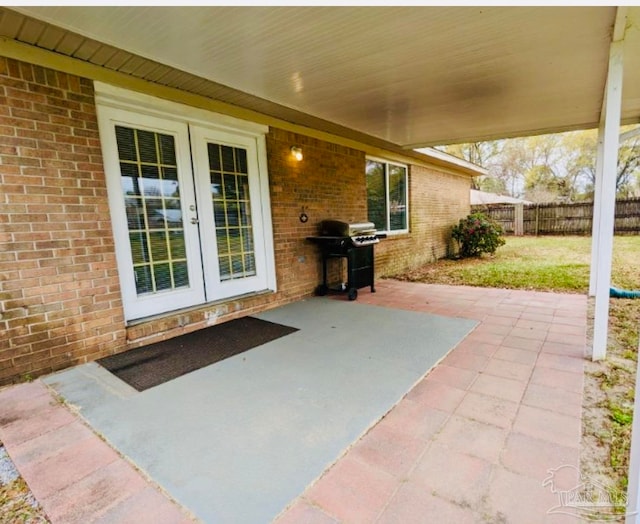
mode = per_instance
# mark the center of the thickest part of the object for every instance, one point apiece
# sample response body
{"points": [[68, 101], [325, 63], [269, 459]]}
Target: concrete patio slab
{"points": [[238, 440]]}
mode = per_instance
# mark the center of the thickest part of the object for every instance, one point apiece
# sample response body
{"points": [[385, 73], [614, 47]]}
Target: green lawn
{"points": [[540, 263]]}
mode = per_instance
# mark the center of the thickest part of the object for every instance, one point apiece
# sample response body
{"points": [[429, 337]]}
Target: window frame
{"points": [[386, 164]]}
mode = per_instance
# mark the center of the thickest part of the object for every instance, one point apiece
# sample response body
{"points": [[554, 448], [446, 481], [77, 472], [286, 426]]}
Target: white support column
{"points": [[597, 202], [608, 199]]}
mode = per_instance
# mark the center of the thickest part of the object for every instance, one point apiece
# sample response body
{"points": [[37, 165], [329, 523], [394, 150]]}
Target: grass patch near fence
{"points": [[561, 264]]}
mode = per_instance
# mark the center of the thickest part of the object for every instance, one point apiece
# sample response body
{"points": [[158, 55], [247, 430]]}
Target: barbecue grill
{"points": [[340, 240]]}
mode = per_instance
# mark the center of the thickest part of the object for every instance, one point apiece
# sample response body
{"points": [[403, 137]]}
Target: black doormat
{"points": [[155, 364]]}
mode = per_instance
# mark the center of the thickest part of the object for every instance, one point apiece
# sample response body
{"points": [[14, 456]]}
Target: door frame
{"points": [[109, 101]]}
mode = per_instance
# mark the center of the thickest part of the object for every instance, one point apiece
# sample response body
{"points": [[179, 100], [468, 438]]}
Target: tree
{"points": [[550, 167], [480, 154], [579, 151], [628, 167], [584, 144], [490, 184]]}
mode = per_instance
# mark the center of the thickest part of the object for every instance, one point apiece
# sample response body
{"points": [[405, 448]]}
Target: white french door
{"points": [[188, 211], [229, 207]]}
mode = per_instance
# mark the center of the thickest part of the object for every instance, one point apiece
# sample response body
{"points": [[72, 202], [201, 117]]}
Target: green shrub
{"points": [[477, 234]]}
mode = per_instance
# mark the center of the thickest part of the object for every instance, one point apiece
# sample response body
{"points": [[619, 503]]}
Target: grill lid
{"points": [[345, 229]]}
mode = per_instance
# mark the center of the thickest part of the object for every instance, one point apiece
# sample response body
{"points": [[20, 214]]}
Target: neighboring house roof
{"points": [[479, 198], [468, 167]]}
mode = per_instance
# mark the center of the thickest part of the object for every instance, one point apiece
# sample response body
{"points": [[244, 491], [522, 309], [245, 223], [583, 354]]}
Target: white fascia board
{"points": [[454, 160]]}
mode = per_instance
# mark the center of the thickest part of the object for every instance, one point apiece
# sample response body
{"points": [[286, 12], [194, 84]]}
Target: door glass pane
{"points": [[143, 278], [180, 274], [229, 176], [225, 267], [178, 251], [139, 248], [222, 240], [149, 181]]}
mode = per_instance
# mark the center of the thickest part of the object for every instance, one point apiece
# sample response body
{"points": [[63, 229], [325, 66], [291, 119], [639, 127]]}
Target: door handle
{"points": [[194, 220]]}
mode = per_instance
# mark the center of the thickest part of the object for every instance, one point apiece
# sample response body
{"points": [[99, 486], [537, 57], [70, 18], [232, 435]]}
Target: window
{"points": [[387, 185]]}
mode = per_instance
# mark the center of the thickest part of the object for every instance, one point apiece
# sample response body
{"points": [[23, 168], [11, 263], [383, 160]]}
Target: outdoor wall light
{"points": [[297, 153]]}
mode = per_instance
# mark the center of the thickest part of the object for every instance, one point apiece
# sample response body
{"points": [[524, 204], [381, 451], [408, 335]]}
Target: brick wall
{"points": [[328, 183], [60, 299], [59, 295]]}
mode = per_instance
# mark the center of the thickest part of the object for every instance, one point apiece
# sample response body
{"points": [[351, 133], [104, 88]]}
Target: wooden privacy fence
{"points": [[560, 219]]}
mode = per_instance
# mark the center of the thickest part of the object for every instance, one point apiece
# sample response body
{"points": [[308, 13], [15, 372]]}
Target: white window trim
{"points": [[386, 190], [110, 97], [117, 97]]}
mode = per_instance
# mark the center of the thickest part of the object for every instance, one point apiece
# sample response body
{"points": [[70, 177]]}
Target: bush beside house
{"points": [[477, 234]]}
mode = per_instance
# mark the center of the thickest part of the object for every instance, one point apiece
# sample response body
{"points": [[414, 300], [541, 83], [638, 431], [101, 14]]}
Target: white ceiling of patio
{"points": [[413, 76]]}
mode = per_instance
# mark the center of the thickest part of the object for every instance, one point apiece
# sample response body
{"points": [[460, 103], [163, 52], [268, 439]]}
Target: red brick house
{"points": [[133, 211]]}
